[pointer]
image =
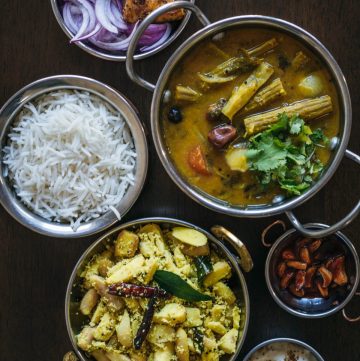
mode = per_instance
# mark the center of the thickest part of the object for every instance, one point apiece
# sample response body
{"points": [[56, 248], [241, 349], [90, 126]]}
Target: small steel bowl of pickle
{"points": [[311, 277], [159, 289]]}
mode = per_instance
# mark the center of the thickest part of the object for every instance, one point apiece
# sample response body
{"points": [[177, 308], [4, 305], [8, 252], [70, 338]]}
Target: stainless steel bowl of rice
{"points": [[74, 156]]}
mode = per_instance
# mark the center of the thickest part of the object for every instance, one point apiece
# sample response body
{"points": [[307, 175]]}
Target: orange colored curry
{"points": [[191, 132]]}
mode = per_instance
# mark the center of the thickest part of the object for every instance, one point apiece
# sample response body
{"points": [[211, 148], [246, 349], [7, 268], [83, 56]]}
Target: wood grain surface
{"points": [[34, 269]]}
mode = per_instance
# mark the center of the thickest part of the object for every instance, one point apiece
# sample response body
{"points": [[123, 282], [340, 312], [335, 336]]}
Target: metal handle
{"points": [[337, 226], [245, 261], [143, 26], [350, 319], [267, 229]]}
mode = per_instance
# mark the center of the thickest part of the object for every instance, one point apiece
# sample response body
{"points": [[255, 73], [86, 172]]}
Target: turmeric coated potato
{"points": [[182, 348], [126, 244], [89, 301], [123, 330], [220, 271], [171, 314]]}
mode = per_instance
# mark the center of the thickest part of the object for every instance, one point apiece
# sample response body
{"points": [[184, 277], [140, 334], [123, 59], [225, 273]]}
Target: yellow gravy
{"points": [[232, 186]]}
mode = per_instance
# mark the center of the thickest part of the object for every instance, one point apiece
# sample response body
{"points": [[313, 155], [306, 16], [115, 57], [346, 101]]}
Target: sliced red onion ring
{"points": [[84, 25], [152, 34], [91, 34], [160, 41], [101, 23], [75, 9], [117, 18], [155, 29], [147, 40], [109, 12], [69, 19], [90, 8], [106, 36], [152, 28], [102, 11], [120, 45]]}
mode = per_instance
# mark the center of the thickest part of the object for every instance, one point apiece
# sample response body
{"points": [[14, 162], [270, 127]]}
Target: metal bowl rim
{"points": [[173, 221], [102, 54], [283, 339], [282, 26], [39, 87], [297, 313]]}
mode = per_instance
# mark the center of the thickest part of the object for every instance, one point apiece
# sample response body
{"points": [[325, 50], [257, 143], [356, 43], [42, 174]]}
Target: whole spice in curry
{"points": [[132, 290]]}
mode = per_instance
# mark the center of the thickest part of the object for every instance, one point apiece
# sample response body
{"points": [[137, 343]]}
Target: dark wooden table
{"points": [[34, 269]]}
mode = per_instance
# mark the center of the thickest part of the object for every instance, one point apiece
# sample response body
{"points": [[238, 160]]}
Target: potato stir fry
{"points": [[159, 295]]}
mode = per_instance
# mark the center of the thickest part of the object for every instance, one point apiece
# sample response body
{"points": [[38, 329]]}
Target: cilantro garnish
{"points": [[296, 125], [318, 137], [285, 154]]}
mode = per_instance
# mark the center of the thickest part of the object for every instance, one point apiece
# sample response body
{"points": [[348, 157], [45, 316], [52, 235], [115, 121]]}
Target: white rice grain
{"points": [[70, 157]]}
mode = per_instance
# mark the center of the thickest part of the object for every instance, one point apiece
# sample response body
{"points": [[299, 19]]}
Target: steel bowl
{"points": [[11, 109], [313, 352], [74, 320], [120, 55], [312, 307], [209, 31]]}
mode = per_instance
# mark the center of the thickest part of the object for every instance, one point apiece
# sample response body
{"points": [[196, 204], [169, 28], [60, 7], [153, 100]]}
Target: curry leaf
{"points": [[203, 267], [175, 285]]}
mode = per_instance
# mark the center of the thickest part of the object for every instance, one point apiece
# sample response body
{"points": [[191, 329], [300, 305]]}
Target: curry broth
{"points": [[233, 186]]}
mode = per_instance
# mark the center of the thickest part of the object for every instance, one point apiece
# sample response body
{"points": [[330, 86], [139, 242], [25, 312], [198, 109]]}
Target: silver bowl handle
{"points": [[351, 319], [245, 259], [143, 26], [264, 233], [337, 226]]}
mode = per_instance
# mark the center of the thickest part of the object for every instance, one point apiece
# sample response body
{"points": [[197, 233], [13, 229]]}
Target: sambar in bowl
{"points": [[245, 114], [249, 117]]}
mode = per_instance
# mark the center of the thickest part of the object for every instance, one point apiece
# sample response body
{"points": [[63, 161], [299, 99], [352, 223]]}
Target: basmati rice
{"points": [[70, 157]]}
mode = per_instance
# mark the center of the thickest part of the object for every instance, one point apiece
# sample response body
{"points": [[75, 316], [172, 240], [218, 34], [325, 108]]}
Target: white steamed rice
{"points": [[70, 157]]}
